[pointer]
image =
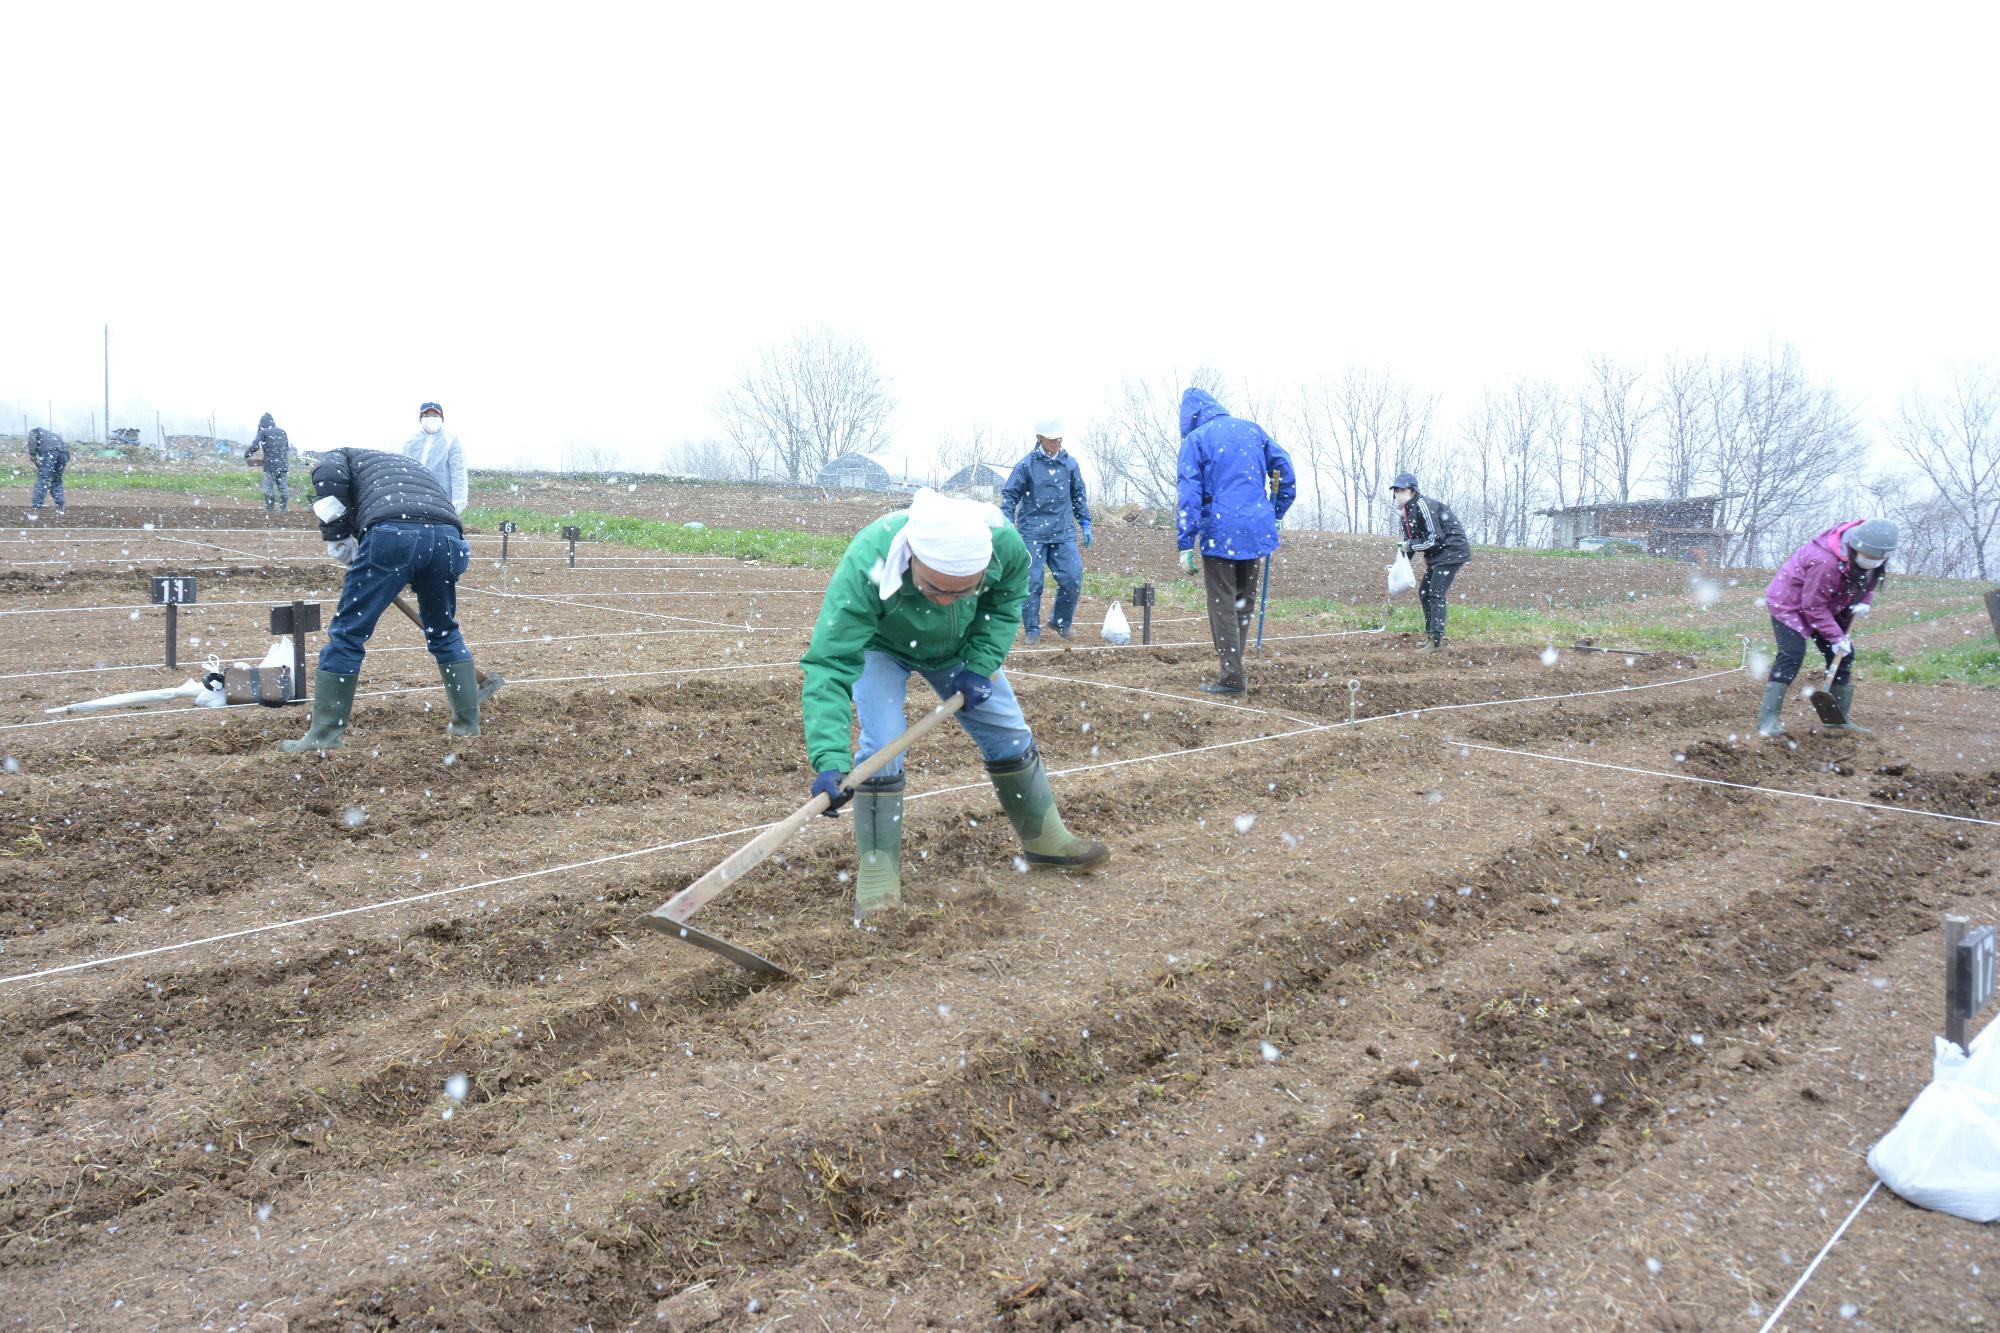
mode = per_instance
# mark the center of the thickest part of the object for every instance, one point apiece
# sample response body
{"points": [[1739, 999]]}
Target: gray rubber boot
{"points": [[1843, 694], [1768, 722], [461, 688], [878, 838], [333, 704]]}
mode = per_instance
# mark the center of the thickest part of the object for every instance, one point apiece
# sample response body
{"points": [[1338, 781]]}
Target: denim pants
{"points": [[1061, 558], [274, 485], [424, 557], [1792, 655], [996, 726], [48, 478]]}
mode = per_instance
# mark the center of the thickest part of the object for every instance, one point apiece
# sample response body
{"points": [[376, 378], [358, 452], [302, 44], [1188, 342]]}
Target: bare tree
{"points": [[1931, 541], [1686, 432], [808, 401], [1138, 443], [1528, 418], [708, 458], [1614, 415], [1779, 441], [1381, 425], [580, 457], [1953, 440], [961, 449], [1483, 441]]}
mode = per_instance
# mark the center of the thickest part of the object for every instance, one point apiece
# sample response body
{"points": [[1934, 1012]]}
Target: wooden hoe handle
{"points": [[688, 901]]}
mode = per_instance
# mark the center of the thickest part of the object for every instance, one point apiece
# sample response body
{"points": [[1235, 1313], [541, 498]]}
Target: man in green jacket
{"points": [[936, 589]]}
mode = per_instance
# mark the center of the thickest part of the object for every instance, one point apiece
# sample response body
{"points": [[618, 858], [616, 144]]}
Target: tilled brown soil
{"points": [[1362, 1027]]}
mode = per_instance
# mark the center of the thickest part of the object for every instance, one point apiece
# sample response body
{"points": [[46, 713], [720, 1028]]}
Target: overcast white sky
{"points": [[578, 222]]}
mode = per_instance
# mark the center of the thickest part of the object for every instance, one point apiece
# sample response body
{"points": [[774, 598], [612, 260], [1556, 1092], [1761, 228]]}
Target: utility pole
{"points": [[107, 381]]}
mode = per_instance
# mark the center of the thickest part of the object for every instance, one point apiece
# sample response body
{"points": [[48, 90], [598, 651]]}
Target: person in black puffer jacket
{"points": [[1431, 528], [386, 518]]}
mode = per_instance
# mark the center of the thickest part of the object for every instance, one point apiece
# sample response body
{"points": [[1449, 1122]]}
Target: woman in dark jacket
{"points": [[1430, 528]]}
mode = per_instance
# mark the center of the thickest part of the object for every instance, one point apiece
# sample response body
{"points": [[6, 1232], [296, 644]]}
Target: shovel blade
{"points": [[715, 944], [1828, 709], [490, 687]]}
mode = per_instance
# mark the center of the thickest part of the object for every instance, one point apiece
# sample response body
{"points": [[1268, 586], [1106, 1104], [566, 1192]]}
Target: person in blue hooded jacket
{"points": [[1041, 497], [1236, 482]]}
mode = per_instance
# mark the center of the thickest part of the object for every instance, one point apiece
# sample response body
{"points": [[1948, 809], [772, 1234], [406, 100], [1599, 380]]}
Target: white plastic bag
{"points": [[1117, 629], [1401, 577], [1944, 1153]]}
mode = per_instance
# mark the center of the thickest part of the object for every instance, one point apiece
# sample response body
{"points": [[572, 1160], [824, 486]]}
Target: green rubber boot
{"points": [[461, 687], [1843, 694], [1030, 803], [1768, 723], [333, 703], [878, 837]]}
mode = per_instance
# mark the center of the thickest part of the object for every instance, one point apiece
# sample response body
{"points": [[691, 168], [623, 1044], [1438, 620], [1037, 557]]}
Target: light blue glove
{"points": [[1187, 560], [346, 551], [1086, 535]]}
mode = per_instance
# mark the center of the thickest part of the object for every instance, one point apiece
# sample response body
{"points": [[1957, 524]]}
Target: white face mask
{"points": [[1402, 497], [432, 425], [1869, 561]]}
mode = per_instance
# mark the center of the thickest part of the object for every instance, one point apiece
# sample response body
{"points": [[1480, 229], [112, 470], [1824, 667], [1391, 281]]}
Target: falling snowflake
{"points": [[1269, 1052], [1550, 655], [355, 816], [1244, 823]]}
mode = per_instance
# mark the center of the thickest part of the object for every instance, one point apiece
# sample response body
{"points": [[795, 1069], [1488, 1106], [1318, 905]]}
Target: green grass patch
{"points": [[1961, 664], [807, 550], [239, 484]]}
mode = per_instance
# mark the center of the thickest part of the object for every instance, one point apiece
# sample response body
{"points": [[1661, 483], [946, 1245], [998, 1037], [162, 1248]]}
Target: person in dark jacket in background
{"points": [[389, 521], [1044, 492], [1431, 530], [276, 447], [1235, 483], [1827, 583], [49, 452]]}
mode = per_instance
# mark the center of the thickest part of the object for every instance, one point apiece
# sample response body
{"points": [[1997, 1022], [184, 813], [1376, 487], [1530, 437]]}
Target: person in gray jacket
{"points": [[49, 452], [276, 447], [1041, 497]]}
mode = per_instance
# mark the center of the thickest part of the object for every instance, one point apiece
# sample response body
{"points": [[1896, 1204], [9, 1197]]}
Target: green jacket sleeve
{"points": [[999, 607], [833, 661]]}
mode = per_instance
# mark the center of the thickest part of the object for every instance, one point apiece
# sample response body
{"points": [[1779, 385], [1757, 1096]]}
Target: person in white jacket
{"points": [[440, 452]]}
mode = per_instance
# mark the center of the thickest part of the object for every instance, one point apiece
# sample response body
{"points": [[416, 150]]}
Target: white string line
{"points": [[1159, 694], [1191, 643], [1839, 1231], [918, 796], [614, 610], [142, 606], [1718, 782]]}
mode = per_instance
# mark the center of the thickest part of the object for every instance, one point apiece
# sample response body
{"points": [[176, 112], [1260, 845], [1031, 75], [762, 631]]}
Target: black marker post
{"points": [[297, 620], [173, 591], [570, 534]]}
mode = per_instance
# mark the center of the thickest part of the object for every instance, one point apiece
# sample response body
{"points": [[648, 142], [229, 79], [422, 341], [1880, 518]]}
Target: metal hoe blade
{"points": [[1824, 703], [715, 944]]}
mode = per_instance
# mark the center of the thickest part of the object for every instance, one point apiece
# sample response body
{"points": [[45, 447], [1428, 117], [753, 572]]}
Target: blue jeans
{"points": [[1063, 560], [48, 478], [424, 557], [996, 726]]}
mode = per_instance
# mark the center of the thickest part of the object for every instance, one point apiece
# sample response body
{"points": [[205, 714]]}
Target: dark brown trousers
{"points": [[1232, 599]]}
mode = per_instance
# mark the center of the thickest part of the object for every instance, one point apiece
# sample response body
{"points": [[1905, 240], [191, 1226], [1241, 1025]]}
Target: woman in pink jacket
{"points": [[1822, 588]]}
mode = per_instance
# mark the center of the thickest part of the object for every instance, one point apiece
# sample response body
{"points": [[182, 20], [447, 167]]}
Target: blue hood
{"points": [[1198, 408]]}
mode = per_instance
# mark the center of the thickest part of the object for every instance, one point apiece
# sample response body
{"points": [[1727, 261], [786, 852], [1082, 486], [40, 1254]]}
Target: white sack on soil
{"points": [[1117, 629], [1944, 1153]]}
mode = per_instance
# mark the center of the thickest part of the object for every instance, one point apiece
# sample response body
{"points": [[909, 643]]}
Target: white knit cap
{"points": [[1049, 428], [951, 534]]}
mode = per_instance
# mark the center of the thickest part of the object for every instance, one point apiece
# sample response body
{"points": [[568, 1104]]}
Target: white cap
{"points": [[1049, 428]]}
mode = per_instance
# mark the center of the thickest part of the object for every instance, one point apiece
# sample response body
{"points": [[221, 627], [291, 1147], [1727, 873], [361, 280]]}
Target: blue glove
{"points": [[1086, 534], [829, 783], [976, 688]]}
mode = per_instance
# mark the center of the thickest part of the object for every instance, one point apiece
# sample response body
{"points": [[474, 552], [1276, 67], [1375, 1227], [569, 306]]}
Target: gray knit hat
{"points": [[1875, 538]]}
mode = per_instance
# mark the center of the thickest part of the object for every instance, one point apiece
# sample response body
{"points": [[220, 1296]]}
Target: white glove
{"points": [[1864, 608], [329, 507], [1187, 560], [1845, 648], [346, 550]]}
